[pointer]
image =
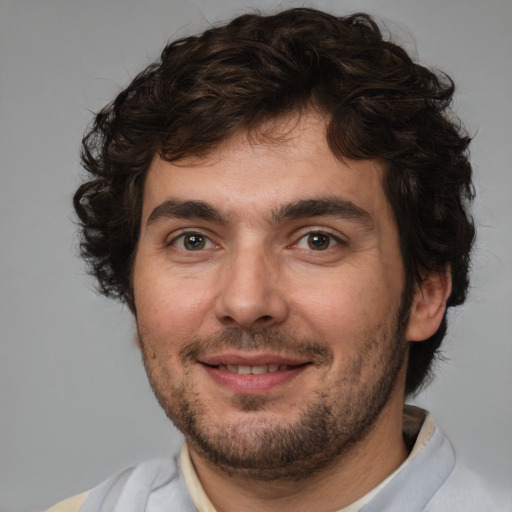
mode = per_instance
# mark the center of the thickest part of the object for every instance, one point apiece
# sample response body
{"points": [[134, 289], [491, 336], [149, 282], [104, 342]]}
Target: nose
{"points": [[251, 295]]}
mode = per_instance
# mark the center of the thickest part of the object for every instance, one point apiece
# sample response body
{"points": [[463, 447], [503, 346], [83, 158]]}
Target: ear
{"points": [[428, 305]]}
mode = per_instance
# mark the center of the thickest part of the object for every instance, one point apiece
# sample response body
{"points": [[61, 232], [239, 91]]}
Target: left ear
{"points": [[428, 305]]}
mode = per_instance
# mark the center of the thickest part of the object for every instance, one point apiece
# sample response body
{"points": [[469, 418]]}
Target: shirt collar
{"points": [[417, 424]]}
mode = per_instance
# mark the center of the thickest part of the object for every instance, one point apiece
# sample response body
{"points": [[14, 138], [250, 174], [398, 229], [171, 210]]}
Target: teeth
{"points": [[259, 370], [254, 370]]}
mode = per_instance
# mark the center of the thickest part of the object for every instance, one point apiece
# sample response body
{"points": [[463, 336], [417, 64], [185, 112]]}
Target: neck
{"points": [[350, 477]]}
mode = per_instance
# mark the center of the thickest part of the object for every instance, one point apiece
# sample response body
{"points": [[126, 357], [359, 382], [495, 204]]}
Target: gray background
{"points": [[75, 405]]}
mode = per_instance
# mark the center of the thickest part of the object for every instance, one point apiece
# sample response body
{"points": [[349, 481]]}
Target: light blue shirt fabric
{"points": [[433, 481]]}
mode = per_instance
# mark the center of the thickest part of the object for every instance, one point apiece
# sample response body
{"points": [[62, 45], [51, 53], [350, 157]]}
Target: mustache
{"points": [[265, 340]]}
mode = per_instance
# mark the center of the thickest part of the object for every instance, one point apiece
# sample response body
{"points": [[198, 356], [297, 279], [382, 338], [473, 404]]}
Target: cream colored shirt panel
{"points": [[71, 504], [194, 487]]}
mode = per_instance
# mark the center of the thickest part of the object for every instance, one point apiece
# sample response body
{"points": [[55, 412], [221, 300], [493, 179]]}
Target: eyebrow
{"points": [[185, 210], [302, 208], [325, 206]]}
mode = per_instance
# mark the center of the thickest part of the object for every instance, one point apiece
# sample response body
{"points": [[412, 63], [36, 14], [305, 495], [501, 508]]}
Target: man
{"points": [[282, 203]]}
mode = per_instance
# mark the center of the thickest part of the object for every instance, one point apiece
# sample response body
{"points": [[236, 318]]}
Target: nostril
{"points": [[264, 318]]}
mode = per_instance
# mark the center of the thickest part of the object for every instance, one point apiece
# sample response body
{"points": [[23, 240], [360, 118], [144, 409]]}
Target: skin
{"points": [[240, 277]]}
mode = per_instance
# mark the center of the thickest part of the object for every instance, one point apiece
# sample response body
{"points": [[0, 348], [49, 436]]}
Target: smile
{"points": [[252, 377], [255, 370]]}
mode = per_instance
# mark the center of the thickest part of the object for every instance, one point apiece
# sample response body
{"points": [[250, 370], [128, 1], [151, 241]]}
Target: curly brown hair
{"points": [[380, 104]]}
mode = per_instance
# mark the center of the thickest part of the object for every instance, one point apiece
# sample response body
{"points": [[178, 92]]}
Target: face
{"points": [[268, 289]]}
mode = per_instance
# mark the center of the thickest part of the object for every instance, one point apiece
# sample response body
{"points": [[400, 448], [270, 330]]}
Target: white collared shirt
{"points": [[429, 480]]}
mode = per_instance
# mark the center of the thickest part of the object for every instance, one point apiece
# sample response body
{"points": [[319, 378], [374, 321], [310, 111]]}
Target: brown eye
{"points": [[319, 241], [194, 242]]}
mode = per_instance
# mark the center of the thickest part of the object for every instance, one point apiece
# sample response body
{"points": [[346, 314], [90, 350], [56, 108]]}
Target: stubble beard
{"points": [[326, 428]]}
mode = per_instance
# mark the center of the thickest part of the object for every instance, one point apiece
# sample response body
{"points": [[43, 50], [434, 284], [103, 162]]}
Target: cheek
{"points": [[346, 307], [170, 311]]}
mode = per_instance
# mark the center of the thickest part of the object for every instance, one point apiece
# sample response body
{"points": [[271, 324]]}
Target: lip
{"points": [[251, 359], [252, 384]]}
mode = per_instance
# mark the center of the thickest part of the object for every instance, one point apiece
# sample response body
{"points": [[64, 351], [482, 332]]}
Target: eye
{"points": [[192, 242], [317, 241]]}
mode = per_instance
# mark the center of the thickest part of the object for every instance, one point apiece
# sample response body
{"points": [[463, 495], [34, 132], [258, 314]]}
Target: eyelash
{"points": [[182, 236], [202, 241], [319, 233]]}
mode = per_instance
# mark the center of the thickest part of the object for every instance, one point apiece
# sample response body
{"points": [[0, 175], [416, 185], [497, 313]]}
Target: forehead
{"points": [[287, 160]]}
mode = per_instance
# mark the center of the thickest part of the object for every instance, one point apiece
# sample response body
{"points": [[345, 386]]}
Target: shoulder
{"points": [[466, 491], [133, 490]]}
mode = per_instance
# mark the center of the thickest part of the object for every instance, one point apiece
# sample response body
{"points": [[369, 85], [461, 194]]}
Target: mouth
{"points": [[261, 369], [253, 374]]}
